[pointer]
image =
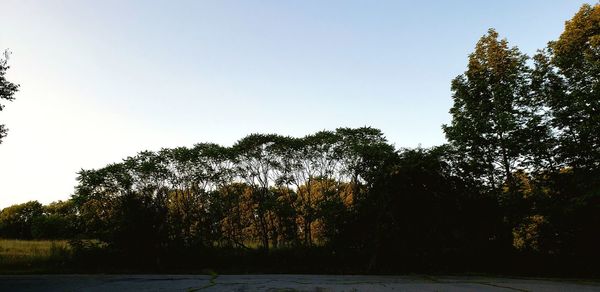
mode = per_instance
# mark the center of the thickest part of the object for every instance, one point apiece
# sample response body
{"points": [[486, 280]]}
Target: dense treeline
{"points": [[267, 189], [515, 187]]}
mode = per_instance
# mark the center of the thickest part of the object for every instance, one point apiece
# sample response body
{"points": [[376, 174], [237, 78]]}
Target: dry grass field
{"points": [[17, 256]]}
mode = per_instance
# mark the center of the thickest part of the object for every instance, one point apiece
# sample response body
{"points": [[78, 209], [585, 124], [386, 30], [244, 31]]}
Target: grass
{"points": [[30, 256]]}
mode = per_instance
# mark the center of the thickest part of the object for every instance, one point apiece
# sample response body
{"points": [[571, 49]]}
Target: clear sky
{"points": [[102, 80]]}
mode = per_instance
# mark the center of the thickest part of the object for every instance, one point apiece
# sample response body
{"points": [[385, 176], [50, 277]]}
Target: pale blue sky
{"points": [[101, 80]]}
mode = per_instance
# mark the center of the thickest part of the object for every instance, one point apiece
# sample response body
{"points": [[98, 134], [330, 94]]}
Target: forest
{"points": [[515, 189]]}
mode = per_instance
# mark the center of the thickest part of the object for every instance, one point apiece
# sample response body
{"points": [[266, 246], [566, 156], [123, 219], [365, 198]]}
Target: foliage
{"points": [[17, 221], [515, 189], [575, 57], [7, 89], [490, 111]]}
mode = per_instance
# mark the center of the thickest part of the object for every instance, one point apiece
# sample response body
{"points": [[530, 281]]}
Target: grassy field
{"points": [[19, 256]]}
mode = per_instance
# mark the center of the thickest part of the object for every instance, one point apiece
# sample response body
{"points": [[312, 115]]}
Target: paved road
{"points": [[282, 283]]}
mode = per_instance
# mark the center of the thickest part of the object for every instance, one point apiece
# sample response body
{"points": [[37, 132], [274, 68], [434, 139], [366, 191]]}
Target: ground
{"points": [[286, 283]]}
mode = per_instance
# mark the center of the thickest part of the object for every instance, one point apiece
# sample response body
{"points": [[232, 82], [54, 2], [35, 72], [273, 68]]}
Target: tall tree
{"points": [[576, 111], [7, 89], [313, 159], [488, 121], [258, 166]]}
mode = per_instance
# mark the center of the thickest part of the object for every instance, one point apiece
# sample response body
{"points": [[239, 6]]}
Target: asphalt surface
{"points": [[285, 283]]}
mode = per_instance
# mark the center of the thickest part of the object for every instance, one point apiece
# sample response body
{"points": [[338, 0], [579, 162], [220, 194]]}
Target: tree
{"points": [[7, 90], [488, 115], [258, 166], [16, 221], [419, 209], [576, 108], [310, 159], [56, 222], [236, 216], [543, 146]]}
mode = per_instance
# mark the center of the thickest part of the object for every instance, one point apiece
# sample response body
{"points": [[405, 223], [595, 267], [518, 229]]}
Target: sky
{"points": [[103, 80]]}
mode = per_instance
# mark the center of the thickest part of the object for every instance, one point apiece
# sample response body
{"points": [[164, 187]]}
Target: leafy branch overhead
{"points": [[7, 89]]}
